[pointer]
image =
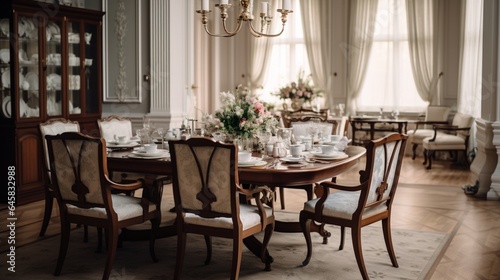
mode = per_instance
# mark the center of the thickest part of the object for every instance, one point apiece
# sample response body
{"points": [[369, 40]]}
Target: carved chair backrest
{"points": [[112, 126]]}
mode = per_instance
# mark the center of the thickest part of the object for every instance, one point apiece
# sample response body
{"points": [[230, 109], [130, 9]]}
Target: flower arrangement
{"points": [[302, 89], [241, 115]]}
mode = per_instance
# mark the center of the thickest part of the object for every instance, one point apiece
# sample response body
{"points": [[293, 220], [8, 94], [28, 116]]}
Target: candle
{"points": [[269, 9], [264, 7], [224, 2], [204, 5], [287, 5]]}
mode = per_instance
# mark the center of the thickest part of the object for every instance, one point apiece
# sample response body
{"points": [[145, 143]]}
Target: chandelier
{"points": [[246, 16]]}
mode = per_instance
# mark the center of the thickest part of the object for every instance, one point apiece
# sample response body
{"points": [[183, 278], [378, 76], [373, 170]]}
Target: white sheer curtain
{"points": [[317, 29], [261, 49], [469, 98], [361, 26], [423, 28]]}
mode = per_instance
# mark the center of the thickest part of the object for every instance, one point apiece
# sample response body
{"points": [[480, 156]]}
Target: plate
{"points": [[53, 82], [5, 55], [4, 26], [32, 79], [336, 155], [292, 159], [141, 157], [6, 107], [253, 161], [160, 152], [126, 145]]}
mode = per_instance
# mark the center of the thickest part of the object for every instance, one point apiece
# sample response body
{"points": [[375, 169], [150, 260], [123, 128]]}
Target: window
{"points": [[288, 58], [389, 80]]}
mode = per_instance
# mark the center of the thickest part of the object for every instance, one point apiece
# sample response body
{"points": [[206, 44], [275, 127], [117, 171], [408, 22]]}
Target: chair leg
{"points": [[342, 238], [306, 230], [155, 224], [181, 251], [386, 227], [110, 258], [414, 150], [237, 252], [85, 234], [430, 154], [208, 242], [356, 245], [49, 201], [265, 242], [63, 247], [282, 198], [99, 240]]}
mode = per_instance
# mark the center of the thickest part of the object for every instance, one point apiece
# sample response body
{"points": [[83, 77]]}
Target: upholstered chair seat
{"points": [[423, 129]]}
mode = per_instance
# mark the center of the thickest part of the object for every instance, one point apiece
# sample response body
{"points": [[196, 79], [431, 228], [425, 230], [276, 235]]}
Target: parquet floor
{"points": [[433, 200]]}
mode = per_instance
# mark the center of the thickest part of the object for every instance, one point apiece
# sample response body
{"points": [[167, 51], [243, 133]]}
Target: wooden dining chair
{"points": [[114, 125], [358, 206], [53, 127], [206, 196], [83, 191]]}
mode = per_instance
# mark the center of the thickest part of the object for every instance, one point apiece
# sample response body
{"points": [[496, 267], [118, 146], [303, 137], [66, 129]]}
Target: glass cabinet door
{"points": [[91, 74], [28, 54], [74, 62], [54, 73], [5, 65]]}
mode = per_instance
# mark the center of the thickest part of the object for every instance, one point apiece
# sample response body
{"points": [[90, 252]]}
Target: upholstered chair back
{"points": [[76, 164], [54, 127], [384, 160], [205, 176], [112, 126], [461, 120], [299, 125], [437, 113]]}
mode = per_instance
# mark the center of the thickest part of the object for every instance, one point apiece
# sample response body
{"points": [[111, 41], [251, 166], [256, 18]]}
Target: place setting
{"points": [[122, 142], [149, 151], [328, 152], [245, 159]]}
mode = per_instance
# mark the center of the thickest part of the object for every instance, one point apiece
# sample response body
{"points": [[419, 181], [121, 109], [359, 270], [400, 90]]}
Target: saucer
{"points": [[292, 159], [335, 155], [253, 161], [140, 152]]}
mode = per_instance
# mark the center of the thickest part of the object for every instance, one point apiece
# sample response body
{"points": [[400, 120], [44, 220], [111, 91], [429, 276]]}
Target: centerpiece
{"points": [[299, 92], [241, 117]]}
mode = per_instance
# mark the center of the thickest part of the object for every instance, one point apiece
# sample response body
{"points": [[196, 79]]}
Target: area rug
{"points": [[416, 252]]}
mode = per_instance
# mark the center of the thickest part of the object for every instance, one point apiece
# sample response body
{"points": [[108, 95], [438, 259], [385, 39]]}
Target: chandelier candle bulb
{"points": [[204, 5], [287, 5], [264, 8], [224, 2]]}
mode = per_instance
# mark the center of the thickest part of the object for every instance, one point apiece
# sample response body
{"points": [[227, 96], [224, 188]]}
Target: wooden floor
{"points": [[433, 200]]}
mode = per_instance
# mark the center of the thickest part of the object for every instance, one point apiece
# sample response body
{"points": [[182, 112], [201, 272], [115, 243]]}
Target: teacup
{"points": [[327, 149], [122, 139], [295, 150], [150, 148], [244, 156]]}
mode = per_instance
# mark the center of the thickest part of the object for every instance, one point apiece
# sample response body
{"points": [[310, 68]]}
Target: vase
{"points": [[296, 105]]}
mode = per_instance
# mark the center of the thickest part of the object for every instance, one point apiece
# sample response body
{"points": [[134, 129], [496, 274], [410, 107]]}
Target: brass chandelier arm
{"points": [[259, 34], [228, 34]]}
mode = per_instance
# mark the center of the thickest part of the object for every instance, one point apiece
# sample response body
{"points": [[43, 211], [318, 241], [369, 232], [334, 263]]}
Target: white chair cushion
{"points": [[249, 217], [167, 218], [418, 136], [444, 142], [126, 207], [342, 205]]}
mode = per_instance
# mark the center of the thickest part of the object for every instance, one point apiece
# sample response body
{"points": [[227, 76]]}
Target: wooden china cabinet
{"points": [[50, 67]]}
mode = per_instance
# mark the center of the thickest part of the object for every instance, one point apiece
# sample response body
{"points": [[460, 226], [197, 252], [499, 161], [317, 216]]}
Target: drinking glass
{"points": [[141, 133], [341, 109], [161, 131], [264, 137]]}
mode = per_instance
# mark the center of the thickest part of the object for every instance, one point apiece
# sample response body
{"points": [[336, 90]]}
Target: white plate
{"points": [[142, 153], [296, 165], [335, 155], [141, 157], [6, 107], [54, 82], [251, 162], [127, 145], [32, 79], [4, 26], [292, 159], [6, 79], [5, 55]]}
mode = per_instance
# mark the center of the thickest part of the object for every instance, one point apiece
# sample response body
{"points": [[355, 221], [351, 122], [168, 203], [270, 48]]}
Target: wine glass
{"points": [[161, 131], [141, 133]]}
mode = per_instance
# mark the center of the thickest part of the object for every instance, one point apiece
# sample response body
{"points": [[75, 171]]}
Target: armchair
{"points": [[53, 127], [361, 205], [83, 191], [423, 129], [206, 190], [454, 137]]}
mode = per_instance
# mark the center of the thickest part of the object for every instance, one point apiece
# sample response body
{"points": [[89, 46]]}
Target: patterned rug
{"points": [[416, 252]]}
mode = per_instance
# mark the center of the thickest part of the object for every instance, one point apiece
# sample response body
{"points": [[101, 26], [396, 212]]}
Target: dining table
{"points": [[275, 173]]}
